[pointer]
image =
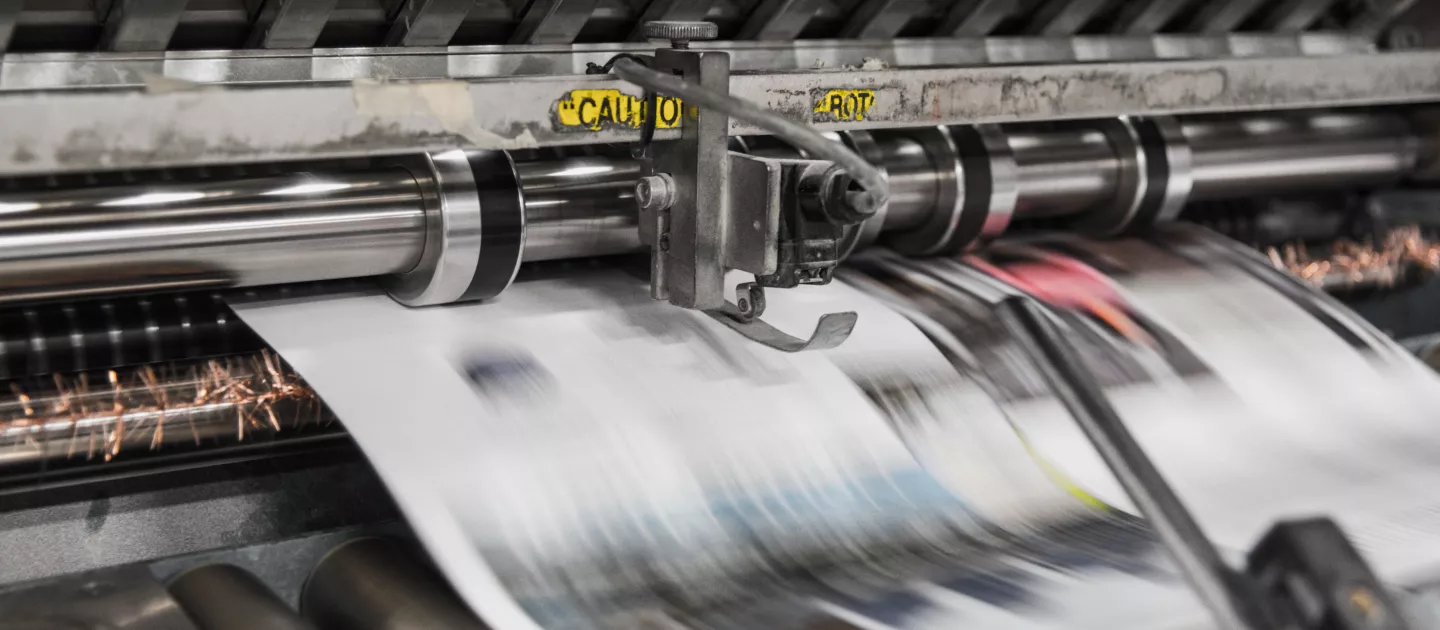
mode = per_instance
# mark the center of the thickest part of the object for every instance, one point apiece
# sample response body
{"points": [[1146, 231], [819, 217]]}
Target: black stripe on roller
{"points": [[502, 223], [1157, 172]]}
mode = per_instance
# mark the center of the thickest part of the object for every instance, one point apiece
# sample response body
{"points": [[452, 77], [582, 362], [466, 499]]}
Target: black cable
{"points": [[650, 97], [864, 204]]}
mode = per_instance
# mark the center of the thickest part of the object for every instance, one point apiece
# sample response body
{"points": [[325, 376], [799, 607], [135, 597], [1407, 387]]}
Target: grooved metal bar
{"points": [[427, 22], [976, 18], [779, 19], [9, 14], [880, 19], [1223, 16], [290, 23], [1147, 16], [1296, 15], [1065, 17], [141, 24], [553, 21], [104, 130], [669, 10]]}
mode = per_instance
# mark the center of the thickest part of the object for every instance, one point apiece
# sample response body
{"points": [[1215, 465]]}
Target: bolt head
{"points": [[654, 192]]}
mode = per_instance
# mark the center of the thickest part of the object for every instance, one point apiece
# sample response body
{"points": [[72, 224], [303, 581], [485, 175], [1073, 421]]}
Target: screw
{"points": [[655, 192], [680, 33], [664, 242]]}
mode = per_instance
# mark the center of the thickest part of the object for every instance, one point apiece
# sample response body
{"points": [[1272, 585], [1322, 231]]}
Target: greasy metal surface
{"points": [[226, 597], [210, 511], [126, 598], [107, 130]]}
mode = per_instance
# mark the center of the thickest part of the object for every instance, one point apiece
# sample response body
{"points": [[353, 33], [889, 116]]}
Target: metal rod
{"points": [[579, 207], [1064, 171], [1214, 582], [1267, 155], [97, 417], [244, 232], [316, 226]]}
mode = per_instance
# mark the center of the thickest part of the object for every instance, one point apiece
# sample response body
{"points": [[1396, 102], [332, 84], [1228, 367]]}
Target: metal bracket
{"points": [[707, 210], [743, 317]]}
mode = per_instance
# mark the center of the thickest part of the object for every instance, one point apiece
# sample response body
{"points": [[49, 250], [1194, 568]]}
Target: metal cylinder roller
{"points": [[226, 597], [1266, 155], [1063, 171], [242, 232], [374, 584], [456, 225]]}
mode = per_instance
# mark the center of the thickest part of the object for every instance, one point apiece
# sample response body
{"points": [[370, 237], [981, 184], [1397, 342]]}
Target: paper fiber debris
{"points": [[575, 455]]}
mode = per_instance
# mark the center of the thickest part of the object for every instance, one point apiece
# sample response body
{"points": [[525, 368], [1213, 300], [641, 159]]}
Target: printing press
{"points": [[719, 314]]}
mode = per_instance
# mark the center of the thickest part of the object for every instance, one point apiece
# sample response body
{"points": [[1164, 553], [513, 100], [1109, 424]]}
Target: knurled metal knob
{"points": [[680, 33]]}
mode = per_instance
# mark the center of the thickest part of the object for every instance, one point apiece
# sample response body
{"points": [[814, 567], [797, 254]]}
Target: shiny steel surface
{"points": [[938, 230], [579, 206], [421, 217], [234, 233], [986, 153], [451, 230], [1133, 185], [1173, 166], [913, 186], [1265, 155], [1063, 171]]}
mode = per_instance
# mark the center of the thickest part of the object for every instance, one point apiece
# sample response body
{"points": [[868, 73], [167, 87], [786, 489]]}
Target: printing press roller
{"points": [[452, 226]]}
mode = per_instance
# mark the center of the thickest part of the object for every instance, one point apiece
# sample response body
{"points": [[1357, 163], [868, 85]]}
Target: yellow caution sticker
{"points": [[593, 110], [843, 105]]}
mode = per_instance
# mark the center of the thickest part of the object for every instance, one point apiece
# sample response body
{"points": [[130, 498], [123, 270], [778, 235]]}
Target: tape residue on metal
{"points": [[446, 103], [594, 110]]}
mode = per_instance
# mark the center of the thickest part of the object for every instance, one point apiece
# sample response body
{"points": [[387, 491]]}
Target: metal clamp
{"points": [[474, 228], [1131, 184], [707, 209], [743, 317], [937, 234], [452, 231], [1169, 162], [992, 178]]}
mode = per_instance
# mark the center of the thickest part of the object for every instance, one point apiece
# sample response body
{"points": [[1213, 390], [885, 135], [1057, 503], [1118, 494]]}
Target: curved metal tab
{"points": [[832, 330]]}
